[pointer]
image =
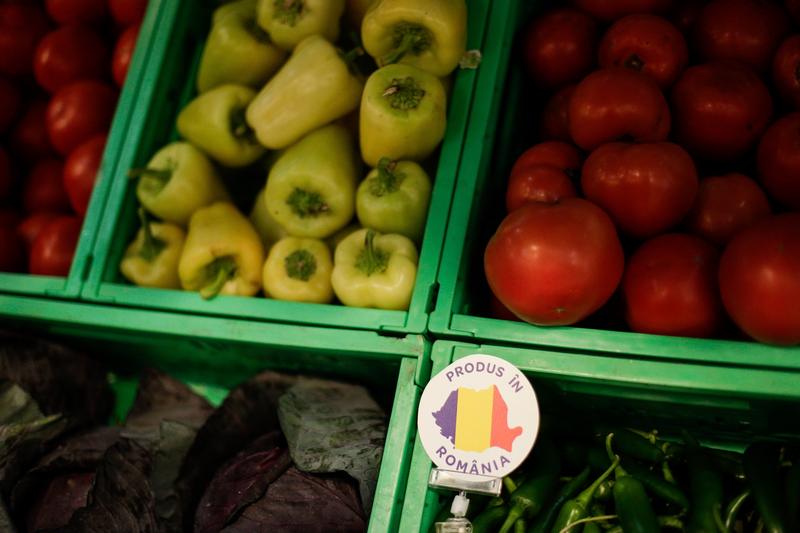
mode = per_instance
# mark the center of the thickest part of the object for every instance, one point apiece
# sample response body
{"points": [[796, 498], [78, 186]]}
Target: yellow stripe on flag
{"points": [[474, 419]]}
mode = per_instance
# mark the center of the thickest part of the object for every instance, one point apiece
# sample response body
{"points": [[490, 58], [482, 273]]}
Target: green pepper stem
{"points": [[589, 520], [520, 526], [407, 38], [514, 515], [404, 93], [306, 203], [152, 246], [288, 11], [372, 260], [219, 271], [509, 484], [300, 264], [672, 522], [619, 471], [585, 497], [387, 180], [239, 126]]}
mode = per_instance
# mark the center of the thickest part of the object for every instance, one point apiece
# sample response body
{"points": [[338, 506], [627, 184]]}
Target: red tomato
{"points": [[69, 54], [44, 188], [558, 154], [554, 264], [741, 30], [555, 121], [54, 247], [123, 52], [76, 11], [80, 172], [543, 173], [725, 205], [6, 175], [614, 9], [32, 226], [646, 188], [127, 12], [78, 112], [720, 109], [559, 47], [21, 27], [759, 282], [670, 287], [786, 71], [29, 137], [10, 104], [646, 43], [686, 13], [779, 160], [498, 310], [12, 256], [615, 103]]}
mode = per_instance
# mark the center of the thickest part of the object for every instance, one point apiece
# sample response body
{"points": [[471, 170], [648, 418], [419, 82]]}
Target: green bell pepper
{"points": [[314, 88], [267, 227], [299, 270], [288, 22], [423, 33], [394, 198], [151, 259], [214, 122], [178, 181], [403, 114], [223, 254], [237, 50], [373, 270], [311, 188]]}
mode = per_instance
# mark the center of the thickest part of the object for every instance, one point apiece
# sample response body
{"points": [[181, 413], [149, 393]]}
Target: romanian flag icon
{"points": [[475, 420]]}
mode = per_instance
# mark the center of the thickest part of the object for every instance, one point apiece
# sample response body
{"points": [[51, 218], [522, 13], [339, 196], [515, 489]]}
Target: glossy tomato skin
{"points": [[127, 12], [80, 172], [6, 175], [740, 30], [559, 47], [779, 160], [758, 280], [720, 109], [44, 187], [76, 11], [608, 10], [21, 27], [78, 112], [645, 188], [29, 136], [54, 247], [12, 256], [555, 153], [10, 104], [786, 71], [555, 118], [32, 226], [554, 264], [726, 205], [70, 54], [123, 52], [670, 287], [647, 43], [615, 103], [543, 173]]}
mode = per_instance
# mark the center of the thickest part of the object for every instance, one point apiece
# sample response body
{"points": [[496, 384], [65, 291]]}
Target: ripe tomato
{"points": [[720, 109], [44, 187], [29, 137], [21, 27], [779, 160], [786, 71], [12, 256], [10, 104], [127, 12], [6, 175], [759, 282], [555, 121], [54, 247], [725, 205], [80, 172], [646, 188], [646, 43], [615, 103], [543, 173], [740, 30], [76, 11], [123, 52], [78, 112], [498, 310], [554, 264], [32, 226], [558, 154], [614, 9], [69, 54], [670, 287], [559, 47]]}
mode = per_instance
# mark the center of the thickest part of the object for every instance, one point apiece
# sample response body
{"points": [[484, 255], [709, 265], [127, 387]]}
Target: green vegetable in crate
{"points": [[288, 22], [394, 198], [373, 270], [490, 519], [267, 227], [705, 513], [403, 114], [237, 50], [313, 88], [425, 34], [578, 507], [657, 485], [223, 254], [299, 270], [215, 123], [151, 260], [544, 521], [310, 191], [633, 507], [178, 181], [762, 467]]}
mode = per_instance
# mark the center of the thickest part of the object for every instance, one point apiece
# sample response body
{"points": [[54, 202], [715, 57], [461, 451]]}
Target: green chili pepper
{"points": [[490, 519], [633, 507], [577, 508], [706, 493], [520, 526], [605, 491], [545, 520], [591, 527], [762, 468], [630, 444], [793, 494], [658, 486], [732, 510]]}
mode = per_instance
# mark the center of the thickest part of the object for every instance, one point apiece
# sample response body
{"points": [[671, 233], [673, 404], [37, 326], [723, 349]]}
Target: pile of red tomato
{"points": [[669, 170], [62, 63]]}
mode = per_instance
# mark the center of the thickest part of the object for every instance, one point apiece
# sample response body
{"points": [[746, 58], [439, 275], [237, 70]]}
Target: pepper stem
{"points": [[388, 180], [219, 272], [509, 484], [288, 11], [239, 126], [589, 520], [404, 93], [151, 245], [307, 203], [407, 38], [300, 264], [619, 471], [372, 260]]}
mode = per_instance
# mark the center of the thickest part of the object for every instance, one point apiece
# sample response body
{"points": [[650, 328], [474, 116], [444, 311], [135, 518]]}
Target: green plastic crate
{"points": [[70, 286], [499, 131], [723, 406], [167, 84], [214, 354]]}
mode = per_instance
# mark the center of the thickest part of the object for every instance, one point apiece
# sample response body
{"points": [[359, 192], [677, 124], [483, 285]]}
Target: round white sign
{"points": [[478, 416]]}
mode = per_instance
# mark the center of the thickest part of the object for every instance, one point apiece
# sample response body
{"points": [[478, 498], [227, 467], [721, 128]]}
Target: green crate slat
{"points": [[215, 354], [167, 84], [493, 142], [724, 406], [70, 286]]}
